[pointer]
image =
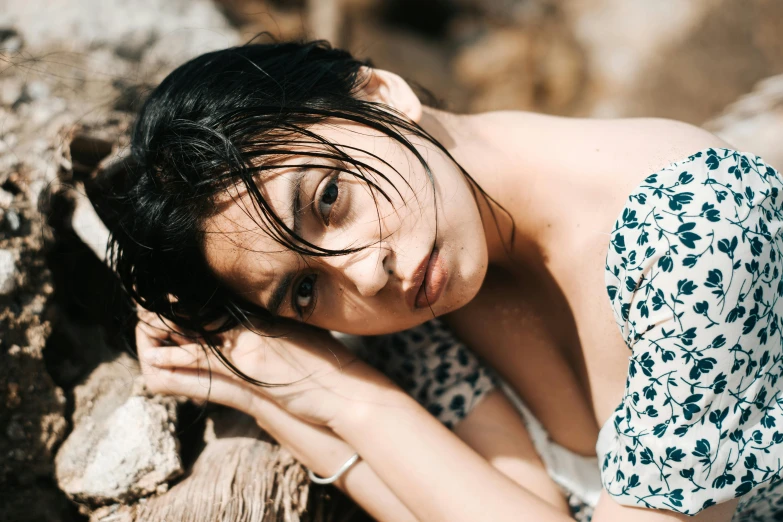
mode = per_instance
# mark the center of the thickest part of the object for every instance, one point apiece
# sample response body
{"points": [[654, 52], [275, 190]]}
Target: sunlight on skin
{"points": [[364, 290], [369, 291]]}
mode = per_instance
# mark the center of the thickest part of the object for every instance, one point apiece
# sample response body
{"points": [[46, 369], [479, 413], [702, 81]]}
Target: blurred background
{"points": [[78, 441], [609, 58]]}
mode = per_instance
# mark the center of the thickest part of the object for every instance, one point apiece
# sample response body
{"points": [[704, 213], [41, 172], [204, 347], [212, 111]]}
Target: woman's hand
{"points": [[296, 414], [308, 373]]}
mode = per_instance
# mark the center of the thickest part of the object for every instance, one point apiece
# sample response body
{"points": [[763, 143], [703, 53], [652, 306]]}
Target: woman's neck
{"points": [[489, 149]]}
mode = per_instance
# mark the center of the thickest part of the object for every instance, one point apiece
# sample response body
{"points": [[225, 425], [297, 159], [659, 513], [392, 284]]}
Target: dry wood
{"points": [[235, 479]]}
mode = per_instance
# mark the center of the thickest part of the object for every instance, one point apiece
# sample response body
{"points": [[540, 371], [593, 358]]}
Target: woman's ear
{"points": [[386, 87]]}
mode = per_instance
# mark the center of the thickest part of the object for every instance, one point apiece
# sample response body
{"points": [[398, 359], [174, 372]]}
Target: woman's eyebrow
{"points": [[296, 198], [281, 290], [282, 287]]}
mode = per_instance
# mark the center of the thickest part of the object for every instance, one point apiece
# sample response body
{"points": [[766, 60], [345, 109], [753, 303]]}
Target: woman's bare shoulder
{"points": [[586, 144], [653, 142]]}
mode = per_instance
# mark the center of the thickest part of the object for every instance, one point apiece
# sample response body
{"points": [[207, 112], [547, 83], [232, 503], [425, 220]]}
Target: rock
{"points": [[6, 198], [33, 91], [7, 272], [238, 477], [132, 29], [122, 447], [14, 431], [10, 91], [10, 41], [73, 51], [127, 455], [114, 513], [12, 222], [754, 123], [32, 419], [88, 226], [32, 406]]}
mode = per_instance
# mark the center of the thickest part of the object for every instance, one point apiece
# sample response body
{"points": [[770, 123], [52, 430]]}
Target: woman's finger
{"points": [[280, 364], [154, 331], [183, 356], [202, 387], [187, 356], [316, 447]]}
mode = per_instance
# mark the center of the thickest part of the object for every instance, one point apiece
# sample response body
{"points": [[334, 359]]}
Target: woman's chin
{"points": [[459, 293], [466, 277], [466, 288]]}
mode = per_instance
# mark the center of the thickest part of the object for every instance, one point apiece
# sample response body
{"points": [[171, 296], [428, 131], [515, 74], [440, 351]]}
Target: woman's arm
{"points": [[493, 427], [495, 430], [434, 473], [409, 459], [317, 447], [438, 477], [322, 451]]}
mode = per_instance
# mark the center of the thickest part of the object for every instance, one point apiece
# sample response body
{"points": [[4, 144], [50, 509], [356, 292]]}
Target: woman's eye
{"points": [[303, 293], [328, 199]]}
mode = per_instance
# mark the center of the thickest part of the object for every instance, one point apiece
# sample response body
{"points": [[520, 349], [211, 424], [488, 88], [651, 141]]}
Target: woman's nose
{"points": [[368, 269]]}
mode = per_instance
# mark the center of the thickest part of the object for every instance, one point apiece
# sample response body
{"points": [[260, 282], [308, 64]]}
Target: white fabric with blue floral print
{"points": [[694, 276]]}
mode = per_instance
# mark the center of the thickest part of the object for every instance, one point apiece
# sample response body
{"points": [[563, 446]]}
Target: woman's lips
{"points": [[434, 281]]}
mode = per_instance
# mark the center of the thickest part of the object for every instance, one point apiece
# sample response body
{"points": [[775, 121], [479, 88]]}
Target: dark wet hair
{"points": [[217, 121]]}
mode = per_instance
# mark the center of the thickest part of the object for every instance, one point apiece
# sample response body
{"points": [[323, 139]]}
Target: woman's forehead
{"points": [[282, 172], [237, 243]]}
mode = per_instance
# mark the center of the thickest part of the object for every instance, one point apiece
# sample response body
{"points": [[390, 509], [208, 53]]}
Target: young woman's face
{"points": [[410, 270]]}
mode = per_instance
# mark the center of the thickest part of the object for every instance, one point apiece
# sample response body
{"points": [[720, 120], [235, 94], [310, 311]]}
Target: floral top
{"points": [[695, 281]]}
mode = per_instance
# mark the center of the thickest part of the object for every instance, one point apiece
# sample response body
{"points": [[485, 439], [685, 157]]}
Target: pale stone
{"points": [[186, 27], [126, 456], [6, 198], [88, 226], [7, 272]]}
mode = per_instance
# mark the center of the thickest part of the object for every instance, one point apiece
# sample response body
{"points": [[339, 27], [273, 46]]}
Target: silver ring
{"points": [[328, 480]]}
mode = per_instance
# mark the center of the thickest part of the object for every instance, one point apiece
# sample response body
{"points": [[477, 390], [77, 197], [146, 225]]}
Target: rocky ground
{"points": [[79, 439]]}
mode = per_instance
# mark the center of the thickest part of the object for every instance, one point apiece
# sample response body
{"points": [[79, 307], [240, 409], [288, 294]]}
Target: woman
{"points": [[285, 190]]}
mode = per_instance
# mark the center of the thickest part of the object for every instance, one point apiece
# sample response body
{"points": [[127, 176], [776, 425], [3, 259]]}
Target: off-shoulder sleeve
{"points": [[693, 274]]}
